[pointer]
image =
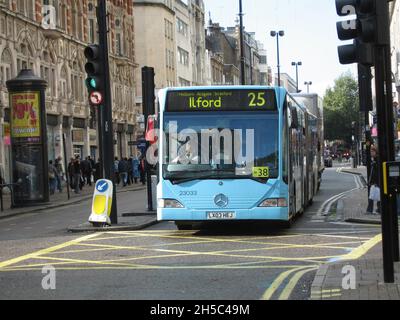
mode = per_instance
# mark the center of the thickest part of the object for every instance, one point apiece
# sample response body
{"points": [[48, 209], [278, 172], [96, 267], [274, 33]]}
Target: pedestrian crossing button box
{"points": [[392, 178]]}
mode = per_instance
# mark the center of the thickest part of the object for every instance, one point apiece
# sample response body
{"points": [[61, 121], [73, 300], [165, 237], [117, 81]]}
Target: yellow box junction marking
{"points": [[165, 250], [45, 251]]}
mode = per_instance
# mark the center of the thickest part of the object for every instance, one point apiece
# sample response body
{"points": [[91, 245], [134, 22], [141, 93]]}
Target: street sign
{"points": [[102, 186], [96, 98]]}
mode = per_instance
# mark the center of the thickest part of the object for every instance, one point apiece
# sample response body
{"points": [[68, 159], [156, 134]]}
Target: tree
{"points": [[341, 108]]}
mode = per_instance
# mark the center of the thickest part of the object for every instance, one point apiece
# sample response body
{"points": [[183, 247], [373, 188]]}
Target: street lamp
{"points": [[297, 64], [278, 34], [308, 84], [242, 54]]}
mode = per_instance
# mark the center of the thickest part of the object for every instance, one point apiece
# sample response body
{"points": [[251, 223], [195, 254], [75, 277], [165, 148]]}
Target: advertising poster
{"points": [[25, 117]]}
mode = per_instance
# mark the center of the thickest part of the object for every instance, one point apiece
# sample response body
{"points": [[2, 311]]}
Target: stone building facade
{"points": [[170, 38], [57, 56]]}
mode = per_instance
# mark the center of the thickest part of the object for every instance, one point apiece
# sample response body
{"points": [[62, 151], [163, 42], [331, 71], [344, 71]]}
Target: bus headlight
{"points": [[274, 203], [169, 204]]}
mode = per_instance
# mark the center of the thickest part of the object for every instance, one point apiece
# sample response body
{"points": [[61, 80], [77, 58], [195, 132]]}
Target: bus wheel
{"points": [[183, 226]]}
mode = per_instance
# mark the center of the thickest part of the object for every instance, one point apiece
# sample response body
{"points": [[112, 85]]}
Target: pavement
{"points": [[359, 276], [60, 199]]}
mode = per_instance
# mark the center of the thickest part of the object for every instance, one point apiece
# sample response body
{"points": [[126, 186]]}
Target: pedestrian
{"points": [[60, 173], [93, 164], [373, 184], [116, 170], [98, 171], [135, 169], [130, 171], [71, 173], [142, 168], [52, 177], [87, 169], [123, 171], [77, 175]]}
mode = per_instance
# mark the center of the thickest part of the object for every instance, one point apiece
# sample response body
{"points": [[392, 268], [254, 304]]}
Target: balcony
{"points": [[52, 34]]}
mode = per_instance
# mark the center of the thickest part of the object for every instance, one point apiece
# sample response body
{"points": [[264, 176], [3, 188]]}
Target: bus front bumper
{"points": [[265, 214]]}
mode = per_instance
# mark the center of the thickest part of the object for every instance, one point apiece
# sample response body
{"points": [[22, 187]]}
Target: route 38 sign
{"points": [[96, 98]]}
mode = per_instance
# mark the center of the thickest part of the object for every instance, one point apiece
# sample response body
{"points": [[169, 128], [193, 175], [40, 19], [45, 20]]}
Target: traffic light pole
{"points": [[390, 139], [365, 92], [148, 87], [384, 156], [106, 108]]}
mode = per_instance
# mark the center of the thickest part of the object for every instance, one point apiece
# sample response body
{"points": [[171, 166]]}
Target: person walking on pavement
{"points": [[130, 171], [93, 164], [142, 168], [60, 173], [116, 171], [136, 169], [373, 184], [123, 171], [52, 177], [71, 173], [87, 171], [77, 175], [98, 172]]}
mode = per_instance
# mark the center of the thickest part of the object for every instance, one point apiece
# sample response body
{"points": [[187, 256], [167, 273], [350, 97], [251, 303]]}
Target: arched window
{"points": [[63, 83], [77, 82], [62, 15], [26, 8], [5, 66], [25, 57], [21, 7], [92, 25], [77, 17], [48, 72]]}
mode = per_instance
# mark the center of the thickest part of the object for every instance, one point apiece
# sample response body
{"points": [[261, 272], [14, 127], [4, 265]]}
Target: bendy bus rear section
{"points": [[201, 180]]}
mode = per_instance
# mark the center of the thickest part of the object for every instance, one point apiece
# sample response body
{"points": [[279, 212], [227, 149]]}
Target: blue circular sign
{"points": [[102, 186]]}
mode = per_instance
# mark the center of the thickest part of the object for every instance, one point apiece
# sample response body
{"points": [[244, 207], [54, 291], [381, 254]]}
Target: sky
{"points": [[310, 35]]}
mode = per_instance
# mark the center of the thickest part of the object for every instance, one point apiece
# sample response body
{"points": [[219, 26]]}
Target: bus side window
{"points": [[285, 139]]}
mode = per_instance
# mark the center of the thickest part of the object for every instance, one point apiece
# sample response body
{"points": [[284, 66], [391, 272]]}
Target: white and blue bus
{"points": [[239, 153]]}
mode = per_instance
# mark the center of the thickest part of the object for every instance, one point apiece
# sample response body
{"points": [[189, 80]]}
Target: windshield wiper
{"points": [[214, 176], [211, 175]]}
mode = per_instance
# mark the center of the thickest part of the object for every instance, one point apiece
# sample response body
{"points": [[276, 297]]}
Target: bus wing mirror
{"points": [[295, 119]]}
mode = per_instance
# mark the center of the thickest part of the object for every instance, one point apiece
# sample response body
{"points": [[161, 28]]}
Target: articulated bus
{"points": [[314, 105], [238, 153]]}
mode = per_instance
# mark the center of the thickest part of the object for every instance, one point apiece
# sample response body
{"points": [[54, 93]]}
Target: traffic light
{"points": [[94, 69], [369, 28]]}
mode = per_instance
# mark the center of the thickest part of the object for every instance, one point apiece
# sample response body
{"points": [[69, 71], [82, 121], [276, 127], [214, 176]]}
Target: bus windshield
{"points": [[221, 146]]}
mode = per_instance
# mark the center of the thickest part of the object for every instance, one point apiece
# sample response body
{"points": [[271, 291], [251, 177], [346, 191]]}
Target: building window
{"points": [[183, 56], [182, 27], [5, 66], [119, 44]]}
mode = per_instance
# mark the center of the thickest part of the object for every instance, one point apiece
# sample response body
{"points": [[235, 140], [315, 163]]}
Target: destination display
{"points": [[221, 100]]}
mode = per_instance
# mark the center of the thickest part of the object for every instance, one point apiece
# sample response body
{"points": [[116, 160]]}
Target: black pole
{"points": [[279, 62], [366, 105], [391, 146], [66, 166], [297, 78], [106, 108], [100, 175], [148, 88], [242, 57], [386, 210]]}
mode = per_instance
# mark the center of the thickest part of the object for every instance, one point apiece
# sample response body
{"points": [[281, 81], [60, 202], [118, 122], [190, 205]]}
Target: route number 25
{"points": [[257, 100]]}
